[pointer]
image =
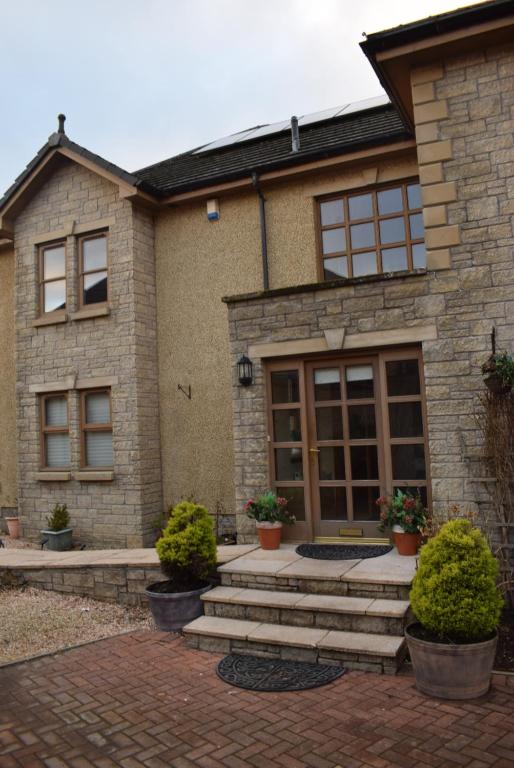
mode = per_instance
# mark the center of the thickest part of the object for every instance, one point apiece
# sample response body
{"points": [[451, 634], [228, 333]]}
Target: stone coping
{"points": [[27, 559]]}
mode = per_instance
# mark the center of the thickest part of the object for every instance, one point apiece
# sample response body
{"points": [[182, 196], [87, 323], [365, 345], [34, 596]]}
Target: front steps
{"points": [[280, 605]]}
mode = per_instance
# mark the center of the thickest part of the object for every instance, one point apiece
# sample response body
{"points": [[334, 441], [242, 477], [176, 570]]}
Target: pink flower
{"points": [[409, 504], [409, 519]]}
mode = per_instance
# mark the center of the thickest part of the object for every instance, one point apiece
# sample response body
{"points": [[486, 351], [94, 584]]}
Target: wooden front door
{"points": [[342, 431]]}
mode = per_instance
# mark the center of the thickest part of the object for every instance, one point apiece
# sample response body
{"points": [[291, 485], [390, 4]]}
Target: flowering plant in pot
{"points": [[498, 373], [58, 535], [270, 513], [187, 553], [406, 515], [457, 603]]}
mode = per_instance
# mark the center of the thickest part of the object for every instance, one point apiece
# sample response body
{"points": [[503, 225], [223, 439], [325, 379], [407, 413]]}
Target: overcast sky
{"points": [[141, 80]]}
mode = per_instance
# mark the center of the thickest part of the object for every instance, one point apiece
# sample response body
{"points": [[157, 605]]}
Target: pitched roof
{"points": [[194, 169]]}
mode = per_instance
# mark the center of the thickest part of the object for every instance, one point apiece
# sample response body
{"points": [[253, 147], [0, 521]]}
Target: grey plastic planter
{"points": [[452, 671], [58, 541], [173, 610]]}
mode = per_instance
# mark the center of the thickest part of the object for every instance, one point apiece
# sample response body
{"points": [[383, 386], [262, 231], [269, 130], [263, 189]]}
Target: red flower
{"points": [[409, 503]]}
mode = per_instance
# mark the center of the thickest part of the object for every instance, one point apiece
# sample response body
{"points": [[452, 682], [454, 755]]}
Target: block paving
{"points": [[145, 699]]}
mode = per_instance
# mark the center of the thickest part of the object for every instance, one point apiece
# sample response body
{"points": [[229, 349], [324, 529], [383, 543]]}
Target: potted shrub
{"points": [[187, 553], [457, 603], [270, 513], [406, 515], [58, 534], [13, 527], [498, 373]]}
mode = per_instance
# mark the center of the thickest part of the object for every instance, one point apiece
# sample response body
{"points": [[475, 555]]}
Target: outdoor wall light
{"points": [[245, 371]]}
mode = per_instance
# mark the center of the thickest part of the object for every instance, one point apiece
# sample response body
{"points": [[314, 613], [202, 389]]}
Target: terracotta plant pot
{"points": [[269, 535], [13, 526], [451, 671], [406, 543], [173, 610]]}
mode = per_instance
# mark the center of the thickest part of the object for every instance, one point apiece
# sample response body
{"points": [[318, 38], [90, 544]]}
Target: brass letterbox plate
{"points": [[351, 532]]}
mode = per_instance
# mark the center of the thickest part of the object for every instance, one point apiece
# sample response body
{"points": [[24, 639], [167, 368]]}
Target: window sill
{"points": [[51, 319], [94, 476], [48, 476], [87, 314]]}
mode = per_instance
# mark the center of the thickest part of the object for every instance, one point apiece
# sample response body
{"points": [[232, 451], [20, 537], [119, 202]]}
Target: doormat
{"points": [[342, 551], [256, 674]]}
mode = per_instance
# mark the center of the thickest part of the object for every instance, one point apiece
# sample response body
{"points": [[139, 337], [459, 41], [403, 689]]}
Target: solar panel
{"points": [[314, 117]]}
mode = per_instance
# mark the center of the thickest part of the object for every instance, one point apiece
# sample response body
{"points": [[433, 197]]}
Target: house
{"points": [[358, 258]]}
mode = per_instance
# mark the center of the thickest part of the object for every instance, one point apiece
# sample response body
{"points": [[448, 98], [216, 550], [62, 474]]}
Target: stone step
{"points": [[353, 650], [353, 614], [387, 577]]}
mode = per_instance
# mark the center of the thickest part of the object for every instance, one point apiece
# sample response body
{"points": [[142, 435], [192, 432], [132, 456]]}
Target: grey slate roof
{"points": [[189, 170]]}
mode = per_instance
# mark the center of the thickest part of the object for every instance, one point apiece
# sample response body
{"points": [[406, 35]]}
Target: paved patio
{"points": [[146, 700]]}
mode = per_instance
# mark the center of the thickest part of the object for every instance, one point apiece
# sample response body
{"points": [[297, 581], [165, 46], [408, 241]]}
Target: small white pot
{"points": [[268, 525], [398, 528]]}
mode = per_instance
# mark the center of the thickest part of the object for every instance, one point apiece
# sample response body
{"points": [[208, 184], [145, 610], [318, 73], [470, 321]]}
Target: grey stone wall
{"points": [[121, 345]]}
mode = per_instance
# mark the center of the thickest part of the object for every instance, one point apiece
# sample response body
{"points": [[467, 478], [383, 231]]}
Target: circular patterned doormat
{"points": [[342, 551], [256, 674]]}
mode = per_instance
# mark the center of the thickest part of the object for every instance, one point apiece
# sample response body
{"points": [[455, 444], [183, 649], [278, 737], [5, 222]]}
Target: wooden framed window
{"points": [[55, 435], [370, 232], [96, 429], [52, 277], [93, 269]]}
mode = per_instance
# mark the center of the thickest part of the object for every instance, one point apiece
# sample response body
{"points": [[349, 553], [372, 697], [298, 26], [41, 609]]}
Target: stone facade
{"points": [[118, 349]]}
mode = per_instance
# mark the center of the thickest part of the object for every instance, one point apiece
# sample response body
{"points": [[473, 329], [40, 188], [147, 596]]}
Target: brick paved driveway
{"points": [[146, 700]]}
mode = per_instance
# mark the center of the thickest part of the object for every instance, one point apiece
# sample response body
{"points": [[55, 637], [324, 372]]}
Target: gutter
{"points": [[264, 235]]}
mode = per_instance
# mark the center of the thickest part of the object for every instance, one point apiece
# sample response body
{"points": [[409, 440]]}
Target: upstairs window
{"points": [[96, 427], [93, 270], [52, 277], [372, 232], [55, 436]]}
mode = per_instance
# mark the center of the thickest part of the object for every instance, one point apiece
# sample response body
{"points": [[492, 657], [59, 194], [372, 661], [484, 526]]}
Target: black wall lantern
{"points": [[245, 371]]}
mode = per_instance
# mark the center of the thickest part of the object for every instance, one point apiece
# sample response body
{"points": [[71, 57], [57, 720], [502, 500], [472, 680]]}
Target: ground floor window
{"points": [[55, 436], [343, 431], [96, 429]]}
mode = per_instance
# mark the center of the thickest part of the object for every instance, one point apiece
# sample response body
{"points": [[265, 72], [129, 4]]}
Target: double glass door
{"points": [[343, 431]]}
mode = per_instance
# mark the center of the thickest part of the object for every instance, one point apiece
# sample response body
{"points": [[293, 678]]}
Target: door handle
{"points": [[313, 450]]}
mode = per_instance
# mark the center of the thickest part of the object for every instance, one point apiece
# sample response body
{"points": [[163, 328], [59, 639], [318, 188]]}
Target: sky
{"points": [[142, 80]]}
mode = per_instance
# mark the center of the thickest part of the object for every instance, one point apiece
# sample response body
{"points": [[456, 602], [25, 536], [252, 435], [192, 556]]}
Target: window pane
{"points": [[405, 420], [334, 240], [327, 384], [392, 230], [54, 262], [417, 230], [364, 507], [95, 288], [408, 462], [335, 268], [288, 464], [98, 408], [56, 412], [414, 196], [287, 427], [295, 498], [364, 263], [57, 450], [390, 201], [362, 421], [364, 462], [284, 387], [360, 207], [402, 377], [333, 503], [394, 259], [359, 381], [329, 423], [363, 235], [99, 449], [331, 463], [55, 295], [332, 212], [419, 256], [94, 253]]}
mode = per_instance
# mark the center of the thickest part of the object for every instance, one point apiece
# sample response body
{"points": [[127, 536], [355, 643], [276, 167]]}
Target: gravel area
{"points": [[34, 621], [18, 543]]}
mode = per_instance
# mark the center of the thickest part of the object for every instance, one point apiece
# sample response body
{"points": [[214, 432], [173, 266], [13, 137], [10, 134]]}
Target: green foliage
{"points": [[500, 365], [454, 592], [403, 509], [59, 519], [187, 547], [269, 508]]}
